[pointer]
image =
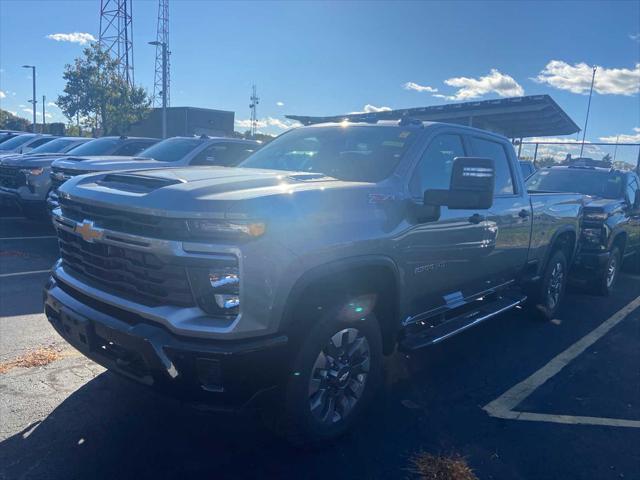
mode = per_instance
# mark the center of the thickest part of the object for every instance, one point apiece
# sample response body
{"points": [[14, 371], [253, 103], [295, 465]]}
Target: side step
{"points": [[430, 332]]}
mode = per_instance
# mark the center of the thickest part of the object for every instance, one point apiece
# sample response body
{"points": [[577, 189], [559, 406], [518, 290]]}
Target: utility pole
{"points": [[33, 98], [586, 120], [255, 100], [164, 85], [43, 115]]}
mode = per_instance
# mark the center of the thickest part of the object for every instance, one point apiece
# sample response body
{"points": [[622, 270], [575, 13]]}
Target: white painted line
{"points": [[13, 218], [503, 406], [17, 274], [27, 238]]}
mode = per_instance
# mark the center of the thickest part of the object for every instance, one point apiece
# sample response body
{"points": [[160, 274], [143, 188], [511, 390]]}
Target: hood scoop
{"points": [[129, 182]]}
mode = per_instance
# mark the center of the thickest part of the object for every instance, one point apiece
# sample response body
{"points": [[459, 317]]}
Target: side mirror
{"points": [[636, 200], [471, 187]]}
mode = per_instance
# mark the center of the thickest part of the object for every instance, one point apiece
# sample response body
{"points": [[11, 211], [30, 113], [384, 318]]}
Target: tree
{"points": [[97, 94], [9, 121]]}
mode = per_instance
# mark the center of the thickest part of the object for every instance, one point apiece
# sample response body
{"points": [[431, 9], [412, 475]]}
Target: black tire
{"points": [[297, 422], [548, 294], [607, 278]]}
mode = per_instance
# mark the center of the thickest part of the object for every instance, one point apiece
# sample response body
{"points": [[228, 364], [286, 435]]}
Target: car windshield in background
{"points": [[171, 150], [100, 146], [358, 153], [15, 142], [604, 184], [54, 146]]}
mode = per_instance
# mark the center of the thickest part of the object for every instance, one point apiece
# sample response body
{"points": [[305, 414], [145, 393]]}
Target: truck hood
{"points": [[37, 160], [109, 163], [202, 191], [605, 205]]}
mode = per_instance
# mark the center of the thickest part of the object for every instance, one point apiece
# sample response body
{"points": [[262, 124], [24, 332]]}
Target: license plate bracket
{"points": [[79, 328]]}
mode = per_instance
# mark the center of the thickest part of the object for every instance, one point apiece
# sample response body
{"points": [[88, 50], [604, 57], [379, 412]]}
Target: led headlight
{"points": [[32, 171], [226, 228], [596, 216]]}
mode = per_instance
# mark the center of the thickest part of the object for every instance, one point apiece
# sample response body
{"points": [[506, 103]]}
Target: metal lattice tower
{"points": [[162, 36], [255, 100], [116, 34]]}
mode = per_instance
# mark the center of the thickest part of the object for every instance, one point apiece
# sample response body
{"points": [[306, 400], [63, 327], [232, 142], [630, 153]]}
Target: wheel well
{"points": [[342, 286], [620, 241], [566, 241]]}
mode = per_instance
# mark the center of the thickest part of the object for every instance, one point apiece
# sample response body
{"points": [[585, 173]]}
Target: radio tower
{"points": [[162, 37], [253, 106], [116, 34]]}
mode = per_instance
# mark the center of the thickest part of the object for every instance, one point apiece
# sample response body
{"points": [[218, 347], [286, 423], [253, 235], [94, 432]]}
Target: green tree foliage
{"points": [[99, 96], [9, 121]]}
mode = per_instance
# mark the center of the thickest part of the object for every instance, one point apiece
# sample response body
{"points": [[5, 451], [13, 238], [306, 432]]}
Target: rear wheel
{"points": [[549, 293], [607, 278], [334, 376]]}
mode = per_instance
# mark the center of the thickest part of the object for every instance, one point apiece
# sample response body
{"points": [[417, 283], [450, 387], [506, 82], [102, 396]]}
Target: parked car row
{"points": [[280, 277]]}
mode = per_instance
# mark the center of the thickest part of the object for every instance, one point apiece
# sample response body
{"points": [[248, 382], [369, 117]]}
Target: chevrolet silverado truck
{"points": [[281, 284], [611, 227], [25, 180], [172, 152]]}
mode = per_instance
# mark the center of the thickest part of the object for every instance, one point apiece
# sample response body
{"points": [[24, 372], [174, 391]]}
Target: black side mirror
{"points": [[472, 185]]}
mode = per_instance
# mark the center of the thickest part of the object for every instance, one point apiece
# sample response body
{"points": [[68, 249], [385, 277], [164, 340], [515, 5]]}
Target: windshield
{"points": [[171, 150], [54, 146], [100, 146], [15, 142], [597, 183], [359, 153]]}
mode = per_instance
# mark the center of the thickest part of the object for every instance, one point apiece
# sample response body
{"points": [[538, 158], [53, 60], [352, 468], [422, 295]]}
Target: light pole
{"points": [[164, 85], [586, 120], [33, 99]]}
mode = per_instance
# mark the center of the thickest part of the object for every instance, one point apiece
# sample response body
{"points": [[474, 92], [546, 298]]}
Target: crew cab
{"points": [[172, 152], [611, 228], [25, 180], [283, 283], [23, 143]]}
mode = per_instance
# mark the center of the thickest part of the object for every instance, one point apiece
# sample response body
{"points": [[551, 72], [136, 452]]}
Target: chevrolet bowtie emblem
{"points": [[88, 231]]}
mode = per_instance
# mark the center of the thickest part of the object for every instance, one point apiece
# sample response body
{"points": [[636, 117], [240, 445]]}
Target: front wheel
{"points": [[606, 281], [550, 292], [334, 377]]}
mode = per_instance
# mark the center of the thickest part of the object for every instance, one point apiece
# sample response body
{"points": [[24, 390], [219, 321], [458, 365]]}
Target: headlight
{"points": [[217, 288], [34, 172], [596, 216], [226, 228]]}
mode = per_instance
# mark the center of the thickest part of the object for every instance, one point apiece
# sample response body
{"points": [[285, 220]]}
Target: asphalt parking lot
{"points": [[517, 397]]}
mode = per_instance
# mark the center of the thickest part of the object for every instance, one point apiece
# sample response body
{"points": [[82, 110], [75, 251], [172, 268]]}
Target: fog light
{"points": [[227, 301]]}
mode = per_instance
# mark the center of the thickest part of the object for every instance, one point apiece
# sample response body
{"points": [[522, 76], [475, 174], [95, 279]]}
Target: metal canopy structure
{"points": [[516, 117]]}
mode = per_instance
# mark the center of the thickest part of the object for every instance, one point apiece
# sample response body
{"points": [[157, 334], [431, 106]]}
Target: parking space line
{"points": [[27, 238], [13, 218], [504, 405], [17, 274]]}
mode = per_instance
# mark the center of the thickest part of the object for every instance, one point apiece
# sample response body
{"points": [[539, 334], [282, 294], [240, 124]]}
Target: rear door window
{"points": [[495, 151]]}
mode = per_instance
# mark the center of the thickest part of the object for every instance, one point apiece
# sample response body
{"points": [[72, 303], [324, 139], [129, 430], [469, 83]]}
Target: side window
{"points": [[131, 148], [494, 150], [39, 142], [434, 169], [223, 154]]}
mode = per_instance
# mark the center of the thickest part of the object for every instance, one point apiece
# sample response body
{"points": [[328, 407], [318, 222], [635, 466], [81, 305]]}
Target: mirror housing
{"points": [[472, 185]]}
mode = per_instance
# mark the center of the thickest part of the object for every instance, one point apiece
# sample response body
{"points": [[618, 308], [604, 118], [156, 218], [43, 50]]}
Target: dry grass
{"points": [[431, 467], [36, 358]]}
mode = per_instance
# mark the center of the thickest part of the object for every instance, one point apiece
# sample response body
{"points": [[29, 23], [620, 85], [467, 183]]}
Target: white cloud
{"points": [[280, 104], [268, 122], [13, 112], [623, 137], [635, 37], [368, 108], [419, 88], [470, 88], [76, 37], [52, 104], [577, 78], [2, 94], [27, 110]]}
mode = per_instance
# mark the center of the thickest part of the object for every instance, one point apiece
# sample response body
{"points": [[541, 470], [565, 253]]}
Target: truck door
{"points": [[442, 259], [633, 226], [509, 219]]}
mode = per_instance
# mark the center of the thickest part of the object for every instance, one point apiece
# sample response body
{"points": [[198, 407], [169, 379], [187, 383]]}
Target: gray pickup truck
{"points": [[284, 283]]}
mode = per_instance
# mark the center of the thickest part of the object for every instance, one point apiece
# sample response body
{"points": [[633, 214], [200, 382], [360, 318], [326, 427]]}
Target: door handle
{"points": [[475, 218], [524, 213]]}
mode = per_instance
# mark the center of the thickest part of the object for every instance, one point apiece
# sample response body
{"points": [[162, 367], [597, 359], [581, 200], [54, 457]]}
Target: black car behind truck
{"points": [[610, 232]]}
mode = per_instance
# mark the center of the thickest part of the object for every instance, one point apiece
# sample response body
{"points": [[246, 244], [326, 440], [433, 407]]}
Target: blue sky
{"points": [[329, 58]]}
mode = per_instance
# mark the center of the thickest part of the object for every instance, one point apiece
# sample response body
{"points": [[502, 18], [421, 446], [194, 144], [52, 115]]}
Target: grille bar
{"points": [[11, 177]]}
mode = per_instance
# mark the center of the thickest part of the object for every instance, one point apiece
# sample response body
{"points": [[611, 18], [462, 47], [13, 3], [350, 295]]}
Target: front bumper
{"points": [[224, 375]]}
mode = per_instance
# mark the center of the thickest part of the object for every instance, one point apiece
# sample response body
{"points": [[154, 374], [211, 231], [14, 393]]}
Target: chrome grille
{"points": [[11, 177]]}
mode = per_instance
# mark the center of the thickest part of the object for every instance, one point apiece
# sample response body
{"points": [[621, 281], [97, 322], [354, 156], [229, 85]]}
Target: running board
{"points": [[431, 333]]}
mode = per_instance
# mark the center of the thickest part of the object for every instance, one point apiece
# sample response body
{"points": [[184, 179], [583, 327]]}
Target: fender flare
{"points": [[554, 239]]}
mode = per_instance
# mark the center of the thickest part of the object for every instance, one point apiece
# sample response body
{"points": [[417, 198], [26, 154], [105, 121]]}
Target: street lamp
{"points": [[164, 85], [33, 100]]}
